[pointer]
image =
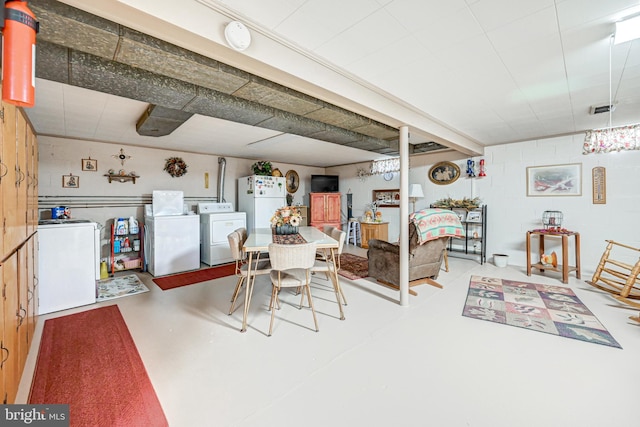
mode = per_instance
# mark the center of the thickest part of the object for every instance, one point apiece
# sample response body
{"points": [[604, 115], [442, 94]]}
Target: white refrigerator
{"points": [[260, 196], [172, 237]]}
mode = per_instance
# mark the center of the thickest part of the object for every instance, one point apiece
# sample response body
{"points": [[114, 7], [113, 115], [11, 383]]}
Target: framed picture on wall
{"points": [[293, 181], [70, 181], [554, 180], [90, 165], [444, 173]]}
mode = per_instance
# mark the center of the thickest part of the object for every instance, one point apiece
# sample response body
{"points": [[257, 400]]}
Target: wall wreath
{"points": [[175, 166]]}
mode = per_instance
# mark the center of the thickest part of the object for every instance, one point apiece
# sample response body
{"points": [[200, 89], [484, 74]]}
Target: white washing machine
{"points": [[217, 221]]}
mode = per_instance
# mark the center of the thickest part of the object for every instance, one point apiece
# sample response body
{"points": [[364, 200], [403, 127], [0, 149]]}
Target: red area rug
{"points": [[353, 267], [202, 275], [89, 361]]}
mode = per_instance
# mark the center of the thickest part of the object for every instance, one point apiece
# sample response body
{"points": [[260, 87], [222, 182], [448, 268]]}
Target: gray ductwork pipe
{"points": [[222, 165]]}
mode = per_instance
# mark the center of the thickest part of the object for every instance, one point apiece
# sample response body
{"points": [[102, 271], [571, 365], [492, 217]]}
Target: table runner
{"points": [[288, 239]]}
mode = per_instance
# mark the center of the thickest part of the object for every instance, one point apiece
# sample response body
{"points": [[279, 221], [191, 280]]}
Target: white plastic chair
{"points": [[291, 266], [327, 266], [261, 267]]}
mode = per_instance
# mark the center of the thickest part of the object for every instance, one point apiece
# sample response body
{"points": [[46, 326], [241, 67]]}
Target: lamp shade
{"points": [[415, 190]]}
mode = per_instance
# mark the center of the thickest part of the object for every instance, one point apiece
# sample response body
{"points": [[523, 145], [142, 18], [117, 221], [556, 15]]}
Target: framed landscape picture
{"points": [[554, 180]]}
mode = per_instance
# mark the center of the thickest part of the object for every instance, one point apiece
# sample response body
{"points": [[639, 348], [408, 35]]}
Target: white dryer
{"points": [[217, 221]]}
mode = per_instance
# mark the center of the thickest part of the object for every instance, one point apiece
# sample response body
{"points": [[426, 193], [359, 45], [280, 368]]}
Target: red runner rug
{"points": [[89, 361], [183, 279], [353, 267]]}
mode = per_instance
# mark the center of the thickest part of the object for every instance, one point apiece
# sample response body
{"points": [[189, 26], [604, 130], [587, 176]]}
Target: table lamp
{"points": [[415, 191]]}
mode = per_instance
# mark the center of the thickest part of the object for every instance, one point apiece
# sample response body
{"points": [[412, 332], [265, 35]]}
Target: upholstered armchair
{"points": [[427, 250]]}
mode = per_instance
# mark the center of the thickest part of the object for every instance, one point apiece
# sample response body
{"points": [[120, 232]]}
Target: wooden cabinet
{"points": [[374, 230], [18, 245], [324, 210]]}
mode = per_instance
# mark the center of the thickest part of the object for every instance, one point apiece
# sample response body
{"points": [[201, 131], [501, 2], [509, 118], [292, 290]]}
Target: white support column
{"points": [[404, 215]]}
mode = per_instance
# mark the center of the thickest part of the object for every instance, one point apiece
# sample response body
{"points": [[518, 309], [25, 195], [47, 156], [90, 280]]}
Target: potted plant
{"points": [[262, 168]]}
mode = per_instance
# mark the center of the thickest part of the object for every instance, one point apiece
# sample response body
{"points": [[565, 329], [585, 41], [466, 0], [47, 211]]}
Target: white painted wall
{"points": [[60, 156], [510, 212]]}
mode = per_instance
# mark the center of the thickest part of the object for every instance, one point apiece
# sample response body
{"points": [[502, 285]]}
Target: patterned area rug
{"points": [[118, 287], [353, 267], [545, 308]]}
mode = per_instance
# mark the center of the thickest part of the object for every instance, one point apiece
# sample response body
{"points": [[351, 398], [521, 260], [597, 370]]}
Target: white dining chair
{"points": [[327, 265], [258, 267], [291, 266]]}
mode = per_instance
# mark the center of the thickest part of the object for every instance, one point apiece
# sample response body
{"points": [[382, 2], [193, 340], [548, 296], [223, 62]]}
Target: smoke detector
{"points": [[237, 35], [601, 109]]}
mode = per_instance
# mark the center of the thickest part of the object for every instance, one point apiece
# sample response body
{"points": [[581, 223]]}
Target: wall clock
{"points": [[388, 176]]}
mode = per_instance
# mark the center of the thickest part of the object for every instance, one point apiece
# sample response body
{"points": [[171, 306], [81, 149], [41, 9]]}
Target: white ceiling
{"points": [[469, 73]]}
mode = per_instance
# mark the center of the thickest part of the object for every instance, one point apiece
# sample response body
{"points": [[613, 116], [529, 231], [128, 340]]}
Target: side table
{"points": [[565, 268], [373, 230]]}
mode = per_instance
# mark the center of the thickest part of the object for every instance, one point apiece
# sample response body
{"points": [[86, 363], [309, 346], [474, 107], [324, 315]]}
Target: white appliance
{"points": [[260, 196], [172, 238], [68, 263], [217, 221]]}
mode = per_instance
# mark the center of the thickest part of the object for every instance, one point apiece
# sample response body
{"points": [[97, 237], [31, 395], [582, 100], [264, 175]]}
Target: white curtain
{"points": [[379, 167], [613, 139]]}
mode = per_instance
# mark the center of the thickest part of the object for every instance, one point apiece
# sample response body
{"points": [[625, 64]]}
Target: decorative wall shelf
{"points": [[121, 178]]}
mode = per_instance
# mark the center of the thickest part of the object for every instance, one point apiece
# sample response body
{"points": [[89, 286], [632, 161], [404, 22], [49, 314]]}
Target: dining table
{"points": [[258, 241]]}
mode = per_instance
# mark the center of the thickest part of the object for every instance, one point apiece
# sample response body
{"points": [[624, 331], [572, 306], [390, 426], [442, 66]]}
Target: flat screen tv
{"points": [[324, 183]]}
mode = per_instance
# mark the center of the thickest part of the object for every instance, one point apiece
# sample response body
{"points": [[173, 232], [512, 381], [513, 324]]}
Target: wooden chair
{"points": [[291, 265], [259, 267], [620, 276]]}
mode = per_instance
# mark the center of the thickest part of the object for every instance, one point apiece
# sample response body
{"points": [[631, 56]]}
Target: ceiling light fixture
{"points": [[237, 35], [627, 30]]}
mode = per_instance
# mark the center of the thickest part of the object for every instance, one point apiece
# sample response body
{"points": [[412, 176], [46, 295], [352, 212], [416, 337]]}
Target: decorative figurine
{"points": [[470, 166], [482, 171]]}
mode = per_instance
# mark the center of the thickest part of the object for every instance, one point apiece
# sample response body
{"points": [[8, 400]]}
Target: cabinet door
{"points": [[31, 286], [21, 174], [318, 207], [332, 208], [10, 365], [3, 349], [9, 181], [23, 304], [32, 182]]}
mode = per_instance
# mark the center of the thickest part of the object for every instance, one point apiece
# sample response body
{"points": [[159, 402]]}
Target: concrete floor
{"points": [[385, 365]]}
